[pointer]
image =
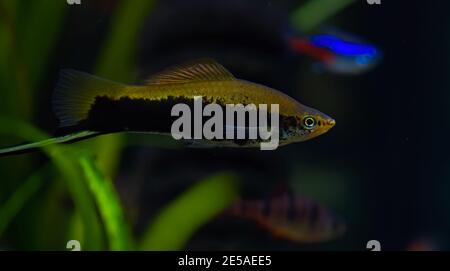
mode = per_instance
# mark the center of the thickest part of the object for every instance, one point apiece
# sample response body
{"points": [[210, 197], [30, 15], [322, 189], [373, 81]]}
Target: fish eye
{"points": [[309, 122]]}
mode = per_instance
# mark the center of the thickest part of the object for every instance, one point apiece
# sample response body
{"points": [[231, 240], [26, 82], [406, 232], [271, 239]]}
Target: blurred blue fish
{"points": [[337, 52]]}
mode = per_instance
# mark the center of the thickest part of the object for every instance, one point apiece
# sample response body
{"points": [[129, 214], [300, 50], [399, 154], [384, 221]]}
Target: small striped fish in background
{"points": [[291, 217]]}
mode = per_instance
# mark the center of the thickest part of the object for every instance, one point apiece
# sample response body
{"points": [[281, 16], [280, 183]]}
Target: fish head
{"points": [[307, 124]]}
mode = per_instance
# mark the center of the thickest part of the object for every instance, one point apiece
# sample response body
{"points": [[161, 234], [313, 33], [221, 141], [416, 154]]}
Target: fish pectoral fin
{"points": [[199, 70]]}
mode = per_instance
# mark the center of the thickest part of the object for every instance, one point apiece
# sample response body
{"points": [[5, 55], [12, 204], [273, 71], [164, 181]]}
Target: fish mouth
{"points": [[331, 123], [327, 125]]}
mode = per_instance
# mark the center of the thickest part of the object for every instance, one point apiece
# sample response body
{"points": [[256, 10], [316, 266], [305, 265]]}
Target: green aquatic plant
{"points": [[29, 31], [314, 12], [172, 228], [76, 166], [71, 175], [118, 232], [178, 221], [22, 196]]}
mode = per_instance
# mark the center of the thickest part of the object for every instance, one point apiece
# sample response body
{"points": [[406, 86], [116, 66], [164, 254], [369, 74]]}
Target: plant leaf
{"points": [[21, 197], [178, 221], [117, 230], [71, 172]]}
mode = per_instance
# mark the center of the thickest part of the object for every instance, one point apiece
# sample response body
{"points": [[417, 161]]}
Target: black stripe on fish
{"points": [[107, 115], [126, 114]]}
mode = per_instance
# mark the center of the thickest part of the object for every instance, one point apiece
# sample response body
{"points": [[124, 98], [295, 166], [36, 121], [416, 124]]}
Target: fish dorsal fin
{"points": [[199, 70]]}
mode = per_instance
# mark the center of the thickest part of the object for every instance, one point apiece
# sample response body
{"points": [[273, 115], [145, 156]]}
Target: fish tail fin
{"points": [[74, 94], [34, 146]]}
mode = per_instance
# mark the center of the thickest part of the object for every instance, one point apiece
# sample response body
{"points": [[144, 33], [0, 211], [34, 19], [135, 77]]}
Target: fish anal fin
{"points": [[200, 70]]}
